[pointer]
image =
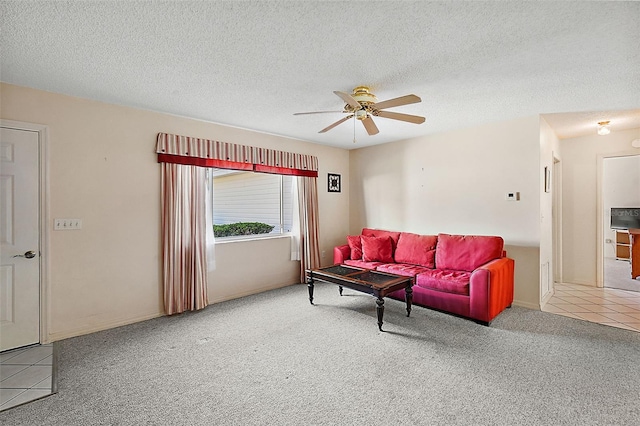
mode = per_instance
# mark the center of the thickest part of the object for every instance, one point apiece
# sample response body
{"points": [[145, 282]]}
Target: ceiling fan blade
{"points": [[315, 112], [349, 100], [326, 129], [370, 126], [402, 117], [402, 100]]}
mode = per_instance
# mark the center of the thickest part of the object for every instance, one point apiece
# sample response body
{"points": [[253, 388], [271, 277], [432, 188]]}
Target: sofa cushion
{"points": [[403, 269], [445, 280], [377, 249], [381, 233], [416, 249], [466, 252], [355, 244], [341, 253]]}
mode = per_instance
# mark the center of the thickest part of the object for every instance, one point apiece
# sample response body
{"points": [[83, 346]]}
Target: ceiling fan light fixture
{"points": [[603, 128], [363, 95], [363, 105]]}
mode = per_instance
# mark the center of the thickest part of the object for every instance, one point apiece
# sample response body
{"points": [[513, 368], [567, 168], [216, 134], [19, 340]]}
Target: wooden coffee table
{"points": [[378, 284]]}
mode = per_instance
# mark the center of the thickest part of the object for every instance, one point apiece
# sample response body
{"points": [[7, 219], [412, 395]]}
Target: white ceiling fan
{"points": [[362, 104]]}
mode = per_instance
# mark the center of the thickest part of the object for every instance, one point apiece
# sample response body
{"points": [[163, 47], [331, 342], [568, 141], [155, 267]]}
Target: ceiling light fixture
{"points": [[603, 128]]}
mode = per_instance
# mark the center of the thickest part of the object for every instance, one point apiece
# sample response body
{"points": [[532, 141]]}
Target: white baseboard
{"points": [[547, 297], [247, 293], [66, 334], [579, 282], [527, 305], [53, 337]]}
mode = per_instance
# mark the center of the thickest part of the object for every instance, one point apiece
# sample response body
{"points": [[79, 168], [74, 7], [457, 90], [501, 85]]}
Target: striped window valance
{"points": [[209, 153]]}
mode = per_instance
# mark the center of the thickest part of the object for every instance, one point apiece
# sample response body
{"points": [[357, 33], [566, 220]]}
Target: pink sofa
{"points": [[466, 275]]}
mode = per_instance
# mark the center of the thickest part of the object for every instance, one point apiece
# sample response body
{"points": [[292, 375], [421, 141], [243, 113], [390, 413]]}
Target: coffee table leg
{"points": [[380, 310], [310, 287], [408, 296], [340, 289]]}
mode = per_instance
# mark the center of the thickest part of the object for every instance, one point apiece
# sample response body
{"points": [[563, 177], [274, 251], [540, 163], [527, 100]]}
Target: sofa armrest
{"points": [[341, 253], [491, 288]]}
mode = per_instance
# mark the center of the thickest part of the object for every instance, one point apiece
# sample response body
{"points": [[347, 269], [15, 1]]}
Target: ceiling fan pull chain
{"points": [[354, 128]]}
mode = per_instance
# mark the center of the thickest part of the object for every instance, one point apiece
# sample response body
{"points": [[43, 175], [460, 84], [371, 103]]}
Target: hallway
{"points": [[608, 306]]}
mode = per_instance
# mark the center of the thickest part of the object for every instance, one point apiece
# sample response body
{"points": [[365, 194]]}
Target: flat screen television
{"points": [[625, 218]]}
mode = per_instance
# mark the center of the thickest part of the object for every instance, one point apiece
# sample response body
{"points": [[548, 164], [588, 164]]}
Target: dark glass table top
{"points": [[341, 270], [363, 275]]}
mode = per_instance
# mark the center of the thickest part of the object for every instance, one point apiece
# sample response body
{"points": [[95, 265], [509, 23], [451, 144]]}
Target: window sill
{"points": [[230, 240]]}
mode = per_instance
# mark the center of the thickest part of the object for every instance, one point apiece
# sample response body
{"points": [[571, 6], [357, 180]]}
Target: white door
{"points": [[19, 238]]}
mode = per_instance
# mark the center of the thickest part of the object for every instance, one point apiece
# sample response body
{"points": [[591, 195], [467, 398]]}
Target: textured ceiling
{"points": [[253, 64]]}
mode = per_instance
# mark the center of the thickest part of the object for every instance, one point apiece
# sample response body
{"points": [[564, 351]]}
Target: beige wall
{"points": [[103, 170], [456, 182], [581, 173]]}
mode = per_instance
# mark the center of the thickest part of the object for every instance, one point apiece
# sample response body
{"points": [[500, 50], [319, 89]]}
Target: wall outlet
{"points": [[512, 196], [67, 224]]}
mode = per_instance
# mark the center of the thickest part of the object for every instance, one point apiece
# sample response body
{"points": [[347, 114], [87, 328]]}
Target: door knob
{"points": [[29, 254]]}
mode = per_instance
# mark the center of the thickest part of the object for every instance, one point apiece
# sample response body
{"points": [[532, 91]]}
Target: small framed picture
{"points": [[547, 179], [333, 182]]}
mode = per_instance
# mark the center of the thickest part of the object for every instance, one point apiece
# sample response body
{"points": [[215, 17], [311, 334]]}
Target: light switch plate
{"points": [[67, 224], [512, 196]]}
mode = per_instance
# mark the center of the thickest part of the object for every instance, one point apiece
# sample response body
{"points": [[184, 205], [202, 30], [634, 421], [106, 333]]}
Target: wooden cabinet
{"points": [[635, 253], [628, 248], [623, 245]]}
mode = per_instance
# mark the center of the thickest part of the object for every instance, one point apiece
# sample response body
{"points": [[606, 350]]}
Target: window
{"points": [[249, 197]]}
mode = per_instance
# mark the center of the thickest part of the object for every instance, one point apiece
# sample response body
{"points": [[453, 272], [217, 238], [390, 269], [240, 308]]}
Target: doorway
{"points": [[28, 361], [23, 234], [620, 189]]}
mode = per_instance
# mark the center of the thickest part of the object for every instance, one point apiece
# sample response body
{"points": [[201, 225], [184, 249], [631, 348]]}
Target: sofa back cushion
{"points": [[377, 249], [355, 244], [416, 249], [466, 252], [381, 233]]}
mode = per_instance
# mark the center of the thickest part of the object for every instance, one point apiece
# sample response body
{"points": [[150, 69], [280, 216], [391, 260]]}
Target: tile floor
{"points": [[608, 306], [26, 374]]}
